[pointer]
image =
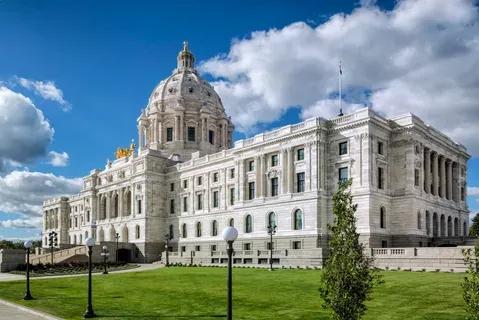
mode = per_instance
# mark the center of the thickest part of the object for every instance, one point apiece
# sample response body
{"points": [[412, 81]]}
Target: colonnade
{"points": [[114, 204], [51, 219]]}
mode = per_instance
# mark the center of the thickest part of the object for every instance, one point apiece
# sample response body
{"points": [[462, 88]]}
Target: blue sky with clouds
{"points": [[75, 75]]}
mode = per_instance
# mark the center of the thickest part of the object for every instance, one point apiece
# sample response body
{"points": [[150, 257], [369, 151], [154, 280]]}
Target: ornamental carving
{"points": [[273, 173]]}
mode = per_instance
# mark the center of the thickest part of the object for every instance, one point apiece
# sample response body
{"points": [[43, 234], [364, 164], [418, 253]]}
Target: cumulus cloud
{"points": [[419, 57], [24, 132], [23, 192], [47, 90], [28, 223], [58, 159]]}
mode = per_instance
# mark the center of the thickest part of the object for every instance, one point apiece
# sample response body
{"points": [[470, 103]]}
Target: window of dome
{"points": [[191, 90]]}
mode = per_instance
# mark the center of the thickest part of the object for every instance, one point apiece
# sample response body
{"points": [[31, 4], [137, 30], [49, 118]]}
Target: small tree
{"points": [[470, 284], [474, 229], [348, 277]]}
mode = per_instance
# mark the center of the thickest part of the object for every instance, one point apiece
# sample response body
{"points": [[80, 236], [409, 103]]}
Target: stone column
{"points": [[259, 181], [435, 174], [177, 128], [427, 170], [160, 132], [442, 176], [108, 205], [237, 180], [455, 183], [182, 127], [140, 138], [307, 174], [120, 203], [284, 171], [449, 180], [290, 170]]}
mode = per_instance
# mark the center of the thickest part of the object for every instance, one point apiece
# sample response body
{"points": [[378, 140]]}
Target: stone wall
{"points": [[10, 259]]}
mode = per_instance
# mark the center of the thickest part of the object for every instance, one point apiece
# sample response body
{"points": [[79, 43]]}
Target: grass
{"points": [[199, 293]]}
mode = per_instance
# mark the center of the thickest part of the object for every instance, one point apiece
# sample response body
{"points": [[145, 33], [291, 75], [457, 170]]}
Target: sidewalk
{"points": [[13, 311]]}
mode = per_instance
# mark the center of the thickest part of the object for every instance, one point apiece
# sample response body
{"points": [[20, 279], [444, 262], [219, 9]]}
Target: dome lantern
{"points": [[186, 59]]}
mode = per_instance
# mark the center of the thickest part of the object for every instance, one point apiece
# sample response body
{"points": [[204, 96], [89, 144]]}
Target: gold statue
{"points": [[125, 152]]}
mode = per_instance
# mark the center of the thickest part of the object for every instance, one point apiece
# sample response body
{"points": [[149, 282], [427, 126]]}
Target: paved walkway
{"points": [[142, 267], [11, 311]]}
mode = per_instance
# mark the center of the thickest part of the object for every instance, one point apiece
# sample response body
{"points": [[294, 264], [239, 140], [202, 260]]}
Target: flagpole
{"points": [[340, 90]]}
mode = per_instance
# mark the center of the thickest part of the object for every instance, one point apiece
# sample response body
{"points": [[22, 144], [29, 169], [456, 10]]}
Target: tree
{"points": [[470, 285], [348, 277], [474, 229]]}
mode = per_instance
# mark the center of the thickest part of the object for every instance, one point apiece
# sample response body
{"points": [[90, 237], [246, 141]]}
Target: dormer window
{"points": [[191, 134], [169, 134], [211, 136]]}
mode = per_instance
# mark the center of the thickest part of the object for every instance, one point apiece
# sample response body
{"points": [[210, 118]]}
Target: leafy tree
{"points": [[7, 244], [348, 277], [474, 229], [470, 285]]}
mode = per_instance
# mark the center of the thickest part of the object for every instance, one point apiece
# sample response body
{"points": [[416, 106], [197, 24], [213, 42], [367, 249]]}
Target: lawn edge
{"points": [[32, 311]]}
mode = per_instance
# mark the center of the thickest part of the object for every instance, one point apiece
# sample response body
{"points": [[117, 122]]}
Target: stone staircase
{"points": [[78, 253]]}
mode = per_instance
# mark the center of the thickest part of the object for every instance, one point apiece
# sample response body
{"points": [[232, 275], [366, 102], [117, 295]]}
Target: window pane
{"points": [[191, 134], [169, 134], [343, 173], [343, 148], [300, 154]]}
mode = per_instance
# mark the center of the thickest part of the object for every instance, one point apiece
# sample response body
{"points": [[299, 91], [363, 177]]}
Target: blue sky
{"points": [[104, 58]]}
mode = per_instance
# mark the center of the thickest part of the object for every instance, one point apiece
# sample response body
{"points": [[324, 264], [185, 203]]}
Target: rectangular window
{"points": [[215, 177], [274, 160], [211, 136], [251, 190], [199, 201], [172, 186], [384, 244], [200, 181], [380, 147], [343, 174], [300, 154], [232, 196], [197, 248], [172, 206], [183, 248], [185, 204], [191, 134], [215, 199], [416, 177], [251, 165], [185, 184], [247, 246], [463, 196], [232, 173], [274, 187], [213, 247], [139, 206], [343, 148], [300, 182], [296, 245], [169, 134], [269, 246], [380, 178]]}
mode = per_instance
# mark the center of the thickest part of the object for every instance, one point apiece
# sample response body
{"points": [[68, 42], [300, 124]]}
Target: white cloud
{"points": [[473, 191], [420, 57], [28, 223], [47, 90], [23, 192], [57, 159], [24, 132]]}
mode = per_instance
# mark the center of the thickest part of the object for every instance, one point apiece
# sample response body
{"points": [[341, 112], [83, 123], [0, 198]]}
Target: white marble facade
{"points": [[189, 180]]}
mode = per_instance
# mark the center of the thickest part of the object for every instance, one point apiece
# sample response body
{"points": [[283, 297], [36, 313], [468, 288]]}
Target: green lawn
{"points": [[199, 293]]}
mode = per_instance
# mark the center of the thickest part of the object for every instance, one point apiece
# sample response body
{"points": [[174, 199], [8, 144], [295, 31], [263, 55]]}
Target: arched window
{"points": [[443, 225], [456, 227], [103, 208], [86, 234], [419, 225], [124, 234], [298, 219], [232, 222], [115, 206], [101, 235], [382, 217], [271, 219], [137, 232], [81, 240], [184, 231], [74, 239], [171, 232], [435, 225], [214, 228], [428, 223], [248, 224], [198, 229], [128, 202], [464, 229], [449, 226]]}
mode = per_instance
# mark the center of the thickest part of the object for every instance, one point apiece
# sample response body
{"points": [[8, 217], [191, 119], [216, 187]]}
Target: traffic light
{"points": [[52, 239]]}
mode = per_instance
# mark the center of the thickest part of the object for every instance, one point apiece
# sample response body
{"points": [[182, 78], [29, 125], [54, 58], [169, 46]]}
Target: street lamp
{"points": [[89, 313], [105, 254], [229, 235], [167, 242], [117, 236], [28, 245], [271, 231]]}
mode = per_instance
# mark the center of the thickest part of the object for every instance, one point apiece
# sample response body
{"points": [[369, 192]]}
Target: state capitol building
{"points": [[187, 180]]}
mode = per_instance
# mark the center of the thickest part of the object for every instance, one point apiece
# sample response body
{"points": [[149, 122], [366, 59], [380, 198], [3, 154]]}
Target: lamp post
{"points": [[229, 235], [117, 236], [167, 242], [89, 313], [105, 254], [28, 245], [271, 231]]}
